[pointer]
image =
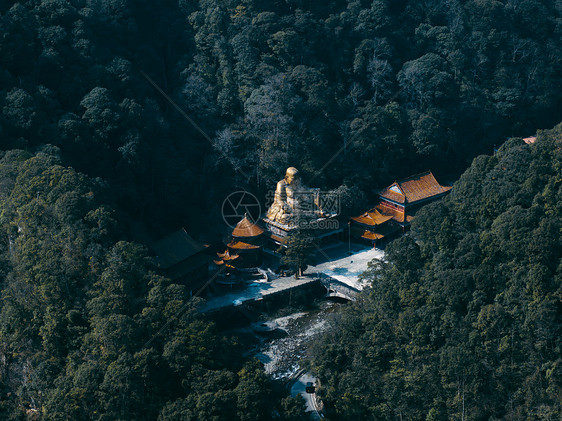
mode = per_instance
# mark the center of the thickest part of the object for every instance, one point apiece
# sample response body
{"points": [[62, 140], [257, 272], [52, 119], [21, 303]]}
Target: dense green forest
{"points": [[96, 157], [388, 87], [463, 321], [88, 330]]}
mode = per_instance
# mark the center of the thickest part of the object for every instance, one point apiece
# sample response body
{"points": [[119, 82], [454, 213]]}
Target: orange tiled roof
{"points": [[245, 228], [240, 245], [395, 214], [415, 188], [372, 236], [372, 218], [278, 239], [368, 235], [225, 257]]}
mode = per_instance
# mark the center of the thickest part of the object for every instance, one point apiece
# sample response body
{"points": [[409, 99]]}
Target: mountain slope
{"points": [[464, 319]]}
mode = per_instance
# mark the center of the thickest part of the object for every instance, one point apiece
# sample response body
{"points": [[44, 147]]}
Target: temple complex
{"points": [[397, 205]]}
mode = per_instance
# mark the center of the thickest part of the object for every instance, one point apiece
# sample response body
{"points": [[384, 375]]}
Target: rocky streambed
{"points": [[284, 341]]}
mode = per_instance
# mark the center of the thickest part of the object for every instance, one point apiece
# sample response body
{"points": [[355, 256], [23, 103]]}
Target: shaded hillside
{"points": [[464, 320], [390, 87], [89, 330]]}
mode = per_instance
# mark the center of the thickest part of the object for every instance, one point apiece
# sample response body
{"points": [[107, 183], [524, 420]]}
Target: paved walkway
{"points": [[340, 262], [346, 265]]}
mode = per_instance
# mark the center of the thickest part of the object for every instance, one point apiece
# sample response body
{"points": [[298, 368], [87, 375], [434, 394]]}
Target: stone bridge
{"points": [[335, 288]]}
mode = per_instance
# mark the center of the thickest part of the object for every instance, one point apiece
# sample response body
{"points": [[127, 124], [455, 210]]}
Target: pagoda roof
{"points": [[175, 248], [358, 232], [369, 235], [226, 256], [246, 228], [378, 234], [372, 218], [414, 189], [395, 214], [240, 245]]}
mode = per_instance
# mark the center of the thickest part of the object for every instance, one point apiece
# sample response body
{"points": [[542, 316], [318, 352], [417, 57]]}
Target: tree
{"points": [[298, 251], [101, 112]]}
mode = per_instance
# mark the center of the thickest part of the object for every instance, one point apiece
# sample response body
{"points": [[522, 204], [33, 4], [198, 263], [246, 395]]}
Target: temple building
{"points": [[373, 227], [245, 248], [403, 198], [397, 205], [183, 259]]}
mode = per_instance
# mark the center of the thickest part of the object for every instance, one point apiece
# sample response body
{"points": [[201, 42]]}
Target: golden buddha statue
{"points": [[285, 200]]}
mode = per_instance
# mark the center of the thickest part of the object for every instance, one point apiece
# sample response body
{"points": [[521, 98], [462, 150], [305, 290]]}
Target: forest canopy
{"points": [[463, 319], [123, 121], [89, 330], [380, 89]]}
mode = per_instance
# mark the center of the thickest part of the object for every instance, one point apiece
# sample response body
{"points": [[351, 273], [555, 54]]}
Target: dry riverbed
{"points": [[282, 350]]}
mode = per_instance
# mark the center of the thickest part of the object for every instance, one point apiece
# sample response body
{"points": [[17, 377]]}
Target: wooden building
{"points": [[372, 227], [246, 244], [403, 198], [397, 206], [183, 259]]}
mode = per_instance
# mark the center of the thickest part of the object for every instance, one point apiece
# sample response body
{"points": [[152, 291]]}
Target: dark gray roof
{"points": [[175, 248]]}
